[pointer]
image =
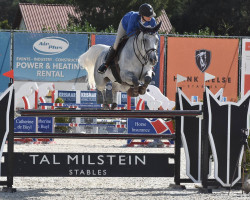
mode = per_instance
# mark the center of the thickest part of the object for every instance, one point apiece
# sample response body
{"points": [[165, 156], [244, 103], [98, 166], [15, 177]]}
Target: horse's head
{"points": [[149, 39]]}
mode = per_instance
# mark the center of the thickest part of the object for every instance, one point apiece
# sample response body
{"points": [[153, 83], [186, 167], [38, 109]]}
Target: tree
{"points": [[223, 17], [8, 10], [4, 25]]}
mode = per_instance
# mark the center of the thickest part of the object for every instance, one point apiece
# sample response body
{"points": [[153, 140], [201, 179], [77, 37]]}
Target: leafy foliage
{"points": [[4, 24], [196, 17], [201, 32], [72, 27], [224, 17]]}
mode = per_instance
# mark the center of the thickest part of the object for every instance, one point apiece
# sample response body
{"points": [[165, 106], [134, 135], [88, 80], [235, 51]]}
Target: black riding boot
{"points": [[102, 69]]}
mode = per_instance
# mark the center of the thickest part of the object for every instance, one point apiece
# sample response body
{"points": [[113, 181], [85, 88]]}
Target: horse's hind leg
{"points": [[105, 103], [115, 89], [101, 86]]}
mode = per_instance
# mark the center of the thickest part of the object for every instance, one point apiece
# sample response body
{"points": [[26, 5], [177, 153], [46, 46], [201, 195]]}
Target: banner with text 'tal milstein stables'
{"points": [[48, 57]]}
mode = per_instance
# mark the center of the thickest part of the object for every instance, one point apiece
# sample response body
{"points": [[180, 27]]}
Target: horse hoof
{"points": [[130, 92], [114, 106], [142, 90], [135, 94]]}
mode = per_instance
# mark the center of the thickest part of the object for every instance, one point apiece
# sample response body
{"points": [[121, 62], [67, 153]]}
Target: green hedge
{"points": [[63, 129]]}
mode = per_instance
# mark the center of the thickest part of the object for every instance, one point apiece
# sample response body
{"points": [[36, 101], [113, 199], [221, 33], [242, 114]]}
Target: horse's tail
{"points": [[88, 60]]}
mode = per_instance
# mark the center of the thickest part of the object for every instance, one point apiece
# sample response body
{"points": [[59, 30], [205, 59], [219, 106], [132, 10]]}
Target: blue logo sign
{"points": [[68, 96], [88, 97], [124, 99], [25, 124], [28, 124], [45, 124], [149, 126], [50, 45]]}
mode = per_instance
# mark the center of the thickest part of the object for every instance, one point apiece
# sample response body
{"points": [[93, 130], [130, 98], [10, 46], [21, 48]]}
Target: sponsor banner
{"points": [[4, 60], [25, 124], [28, 124], [67, 96], [105, 39], [245, 67], [45, 124], [48, 57], [247, 83], [88, 97], [149, 126], [192, 57], [91, 165]]}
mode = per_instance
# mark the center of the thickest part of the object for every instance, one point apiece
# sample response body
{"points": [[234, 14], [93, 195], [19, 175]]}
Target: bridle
{"points": [[145, 57]]}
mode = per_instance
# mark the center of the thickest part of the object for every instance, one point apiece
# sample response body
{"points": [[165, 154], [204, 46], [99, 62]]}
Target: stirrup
{"points": [[102, 69]]}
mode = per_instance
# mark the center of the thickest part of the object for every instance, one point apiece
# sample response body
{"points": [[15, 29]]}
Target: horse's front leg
{"points": [[131, 79], [147, 81], [136, 86]]}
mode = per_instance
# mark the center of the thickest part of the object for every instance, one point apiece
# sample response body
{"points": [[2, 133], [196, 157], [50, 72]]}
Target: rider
{"points": [[128, 26]]}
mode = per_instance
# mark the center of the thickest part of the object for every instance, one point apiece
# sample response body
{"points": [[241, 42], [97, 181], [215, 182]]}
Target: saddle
{"points": [[114, 66]]}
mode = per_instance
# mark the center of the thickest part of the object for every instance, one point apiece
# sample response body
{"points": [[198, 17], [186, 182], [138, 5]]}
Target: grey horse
{"points": [[136, 61]]}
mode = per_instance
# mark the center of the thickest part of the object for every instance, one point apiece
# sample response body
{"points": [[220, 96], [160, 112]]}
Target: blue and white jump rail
{"points": [[93, 125], [79, 105], [199, 126]]}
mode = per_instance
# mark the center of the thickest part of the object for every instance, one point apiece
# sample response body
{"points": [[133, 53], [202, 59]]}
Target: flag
{"points": [[180, 78], [9, 74], [209, 76]]}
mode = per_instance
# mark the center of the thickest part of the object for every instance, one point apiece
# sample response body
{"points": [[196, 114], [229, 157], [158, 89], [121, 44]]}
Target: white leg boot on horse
{"points": [[116, 87], [105, 103], [147, 81]]}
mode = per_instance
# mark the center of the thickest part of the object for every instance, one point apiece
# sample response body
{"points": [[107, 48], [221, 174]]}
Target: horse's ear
{"points": [[157, 27]]}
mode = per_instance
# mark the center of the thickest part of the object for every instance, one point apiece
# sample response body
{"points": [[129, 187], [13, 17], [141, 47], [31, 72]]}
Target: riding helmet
{"points": [[146, 10]]}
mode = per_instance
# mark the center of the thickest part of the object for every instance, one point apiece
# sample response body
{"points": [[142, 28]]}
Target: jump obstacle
{"points": [[79, 105], [154, 98], [188, 118], [108, 113]]}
